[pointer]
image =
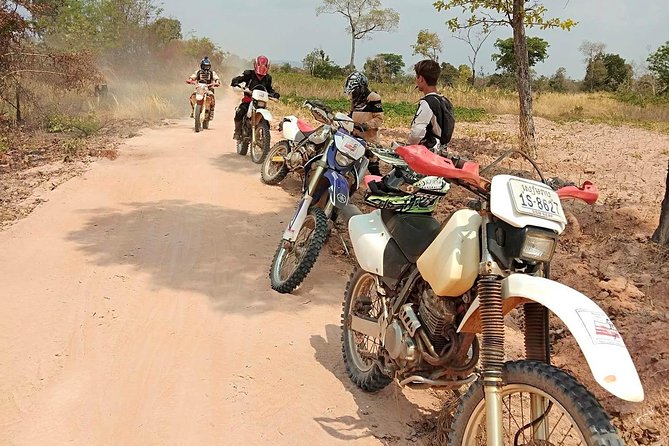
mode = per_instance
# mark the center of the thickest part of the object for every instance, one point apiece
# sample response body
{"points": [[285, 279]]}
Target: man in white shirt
{"points": [[434, 122]]}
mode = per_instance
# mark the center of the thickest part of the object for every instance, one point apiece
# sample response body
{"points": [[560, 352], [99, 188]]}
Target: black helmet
{"points": [[355, 81], [205, 64]]}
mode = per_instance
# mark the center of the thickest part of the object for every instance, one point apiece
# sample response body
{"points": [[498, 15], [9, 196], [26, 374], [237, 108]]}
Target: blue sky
{"points": [[288, 29]]}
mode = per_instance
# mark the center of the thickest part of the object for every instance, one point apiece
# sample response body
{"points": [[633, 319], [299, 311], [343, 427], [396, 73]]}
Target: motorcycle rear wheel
{"points": [[198, 116], [571, 413], [272, 171], [301, 257]]}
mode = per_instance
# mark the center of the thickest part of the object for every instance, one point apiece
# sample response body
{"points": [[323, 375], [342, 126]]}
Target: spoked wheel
{"points": [[541, 406], [261, 146], [362, 351], [293, 261], [274, 167], [198, 117], [205, 122]]}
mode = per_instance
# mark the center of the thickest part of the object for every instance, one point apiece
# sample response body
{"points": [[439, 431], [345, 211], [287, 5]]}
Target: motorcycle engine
{"points": [[437, 315], [300, 157]]}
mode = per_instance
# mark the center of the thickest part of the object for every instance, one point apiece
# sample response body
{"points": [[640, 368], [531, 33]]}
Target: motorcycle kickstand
{"points": [[341, 238]]}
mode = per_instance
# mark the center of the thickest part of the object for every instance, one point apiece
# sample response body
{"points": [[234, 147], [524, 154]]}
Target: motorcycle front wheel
{"points": [[261, 146], [198, 116], [361, 352], [541, 405], [274, 167], [293, 261]]}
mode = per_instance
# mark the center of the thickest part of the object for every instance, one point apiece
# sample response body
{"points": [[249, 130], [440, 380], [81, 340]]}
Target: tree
{"points": [[618, 71], [517, 14], [464, 74], [449, 74], [537, 51], [384, 67], [165, 30], [428, 45], [658, 64], [364, 17], [591, 49], [595, 74], [318, 64], [661, 234], [475, 42], [558, 81]]}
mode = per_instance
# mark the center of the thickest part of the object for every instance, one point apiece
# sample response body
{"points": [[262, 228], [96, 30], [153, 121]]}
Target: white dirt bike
{"points": [[201, 103], [423, 291], [256, 125]]}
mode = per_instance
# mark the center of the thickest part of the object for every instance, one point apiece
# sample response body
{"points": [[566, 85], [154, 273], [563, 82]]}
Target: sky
{"points": [[286, 30]]}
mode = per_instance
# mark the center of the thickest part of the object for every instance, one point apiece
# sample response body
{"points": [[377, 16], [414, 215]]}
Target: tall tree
{"points": [[364, 18], [537, 51], [449, 74], [475, 42], [618, 71], [518, 14], [428, 45], [658, 64]]}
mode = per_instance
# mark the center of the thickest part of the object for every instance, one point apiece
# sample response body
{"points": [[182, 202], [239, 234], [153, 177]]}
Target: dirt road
{"points": [[137, 310]]}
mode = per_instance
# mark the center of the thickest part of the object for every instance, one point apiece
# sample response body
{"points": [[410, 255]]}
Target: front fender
{"points": [[338, 188], [599, 340], [267, 116]]}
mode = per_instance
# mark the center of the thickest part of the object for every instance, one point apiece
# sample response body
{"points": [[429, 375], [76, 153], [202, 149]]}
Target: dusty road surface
{"points": [[136, 310]]}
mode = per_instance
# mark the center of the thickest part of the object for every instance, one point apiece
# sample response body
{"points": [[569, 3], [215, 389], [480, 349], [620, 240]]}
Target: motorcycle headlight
{"points": [[261, 104], [342, 159], [538, 246]]}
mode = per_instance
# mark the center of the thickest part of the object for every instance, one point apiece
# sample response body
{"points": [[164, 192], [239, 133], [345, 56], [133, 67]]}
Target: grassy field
{"points": [[476, 104]]}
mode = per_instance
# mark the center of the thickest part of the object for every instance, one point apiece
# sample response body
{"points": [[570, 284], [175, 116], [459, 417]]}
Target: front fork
{"points": [[489, 290], [303, 208]]}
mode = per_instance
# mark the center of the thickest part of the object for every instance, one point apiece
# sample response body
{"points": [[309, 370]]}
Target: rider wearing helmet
{"points": [[256, 78], [207, 75], [366, 112]]}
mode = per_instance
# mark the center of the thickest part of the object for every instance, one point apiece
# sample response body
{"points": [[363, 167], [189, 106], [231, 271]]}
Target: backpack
{"points": [[443, 112]]}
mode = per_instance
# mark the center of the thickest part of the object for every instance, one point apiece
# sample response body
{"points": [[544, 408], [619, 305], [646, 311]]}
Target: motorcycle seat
{"points": [[305, 127]]}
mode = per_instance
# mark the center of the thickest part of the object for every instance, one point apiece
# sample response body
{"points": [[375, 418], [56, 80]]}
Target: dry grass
{"points": [[598, 107]]}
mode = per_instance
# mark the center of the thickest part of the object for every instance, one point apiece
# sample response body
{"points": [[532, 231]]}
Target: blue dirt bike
{"points": [[330, 178]]}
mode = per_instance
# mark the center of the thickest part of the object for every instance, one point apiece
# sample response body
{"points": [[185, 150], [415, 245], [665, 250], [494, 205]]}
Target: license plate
{"points": [[534, 199]]}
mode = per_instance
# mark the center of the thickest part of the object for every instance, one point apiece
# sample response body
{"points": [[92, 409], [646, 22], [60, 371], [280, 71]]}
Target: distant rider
{"points": [[258, 77], [208, 76], [366, 112]]}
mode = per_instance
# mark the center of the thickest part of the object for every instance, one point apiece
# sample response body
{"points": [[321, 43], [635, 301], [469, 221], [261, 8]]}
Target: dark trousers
{"points": [[241, 111]]}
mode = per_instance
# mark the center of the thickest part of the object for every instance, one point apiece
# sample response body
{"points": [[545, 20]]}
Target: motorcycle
{"points": [[255, 126], [330, 178], [300, 143], [423, 291], [201, 102]]}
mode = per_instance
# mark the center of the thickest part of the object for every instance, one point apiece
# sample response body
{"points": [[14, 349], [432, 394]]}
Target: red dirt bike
{"points": [[200, 102]]}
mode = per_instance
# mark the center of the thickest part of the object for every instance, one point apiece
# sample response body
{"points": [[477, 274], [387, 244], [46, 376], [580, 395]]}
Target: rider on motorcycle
{"points": [[434, 121], [366, 112], [208, 76], [252, 78]]}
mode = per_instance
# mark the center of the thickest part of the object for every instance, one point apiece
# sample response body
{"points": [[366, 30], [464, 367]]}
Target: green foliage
{"points": [[318, 64], [606, 72], [537, 51], [489, 13], [384, 67], [428, 45], [395, 112], [85, 125], [449, 74], [558, 81], [166, 30], [658, 64]]}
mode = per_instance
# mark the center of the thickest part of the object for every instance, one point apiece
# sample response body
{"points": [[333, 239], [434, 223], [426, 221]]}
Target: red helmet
{"points": [[261, 65]]}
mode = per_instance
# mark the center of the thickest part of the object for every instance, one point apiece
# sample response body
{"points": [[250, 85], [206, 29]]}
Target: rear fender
{"points": [[599, 340]]}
